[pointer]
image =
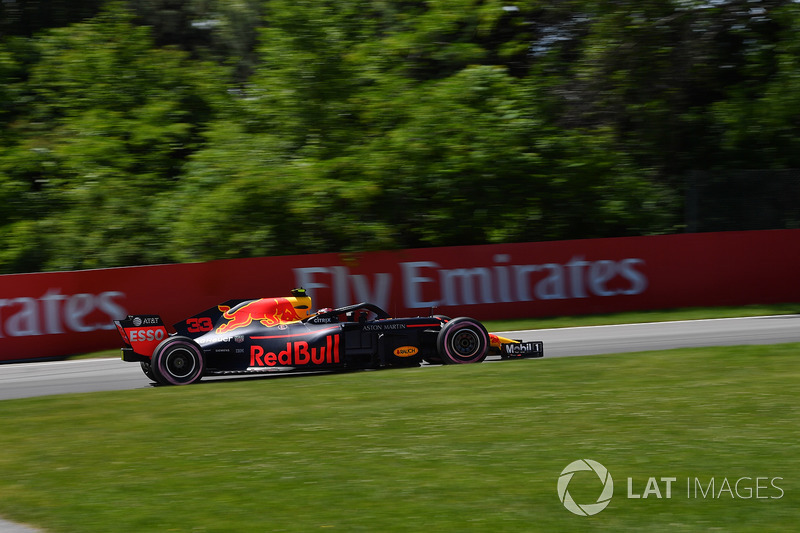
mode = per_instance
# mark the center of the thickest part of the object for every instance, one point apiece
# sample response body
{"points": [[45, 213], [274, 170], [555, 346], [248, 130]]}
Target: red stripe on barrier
{"points": [[48, 315]]}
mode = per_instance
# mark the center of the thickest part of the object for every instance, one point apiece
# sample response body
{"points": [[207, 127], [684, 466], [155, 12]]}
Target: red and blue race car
{"points": [[283, 335]]}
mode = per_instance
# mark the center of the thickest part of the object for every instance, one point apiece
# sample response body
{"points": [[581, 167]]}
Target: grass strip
{"points": [[453, 448], [635, 317]]}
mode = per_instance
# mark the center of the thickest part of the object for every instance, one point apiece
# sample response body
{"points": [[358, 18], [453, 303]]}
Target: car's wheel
{"points": [[463, 340], [148, 370], [178, 361]]}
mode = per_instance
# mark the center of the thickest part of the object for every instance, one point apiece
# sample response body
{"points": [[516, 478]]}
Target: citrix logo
{"points": [[588, 509]]}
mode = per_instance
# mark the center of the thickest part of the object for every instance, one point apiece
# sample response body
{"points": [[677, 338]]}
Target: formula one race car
{"points": [[281, 334]]}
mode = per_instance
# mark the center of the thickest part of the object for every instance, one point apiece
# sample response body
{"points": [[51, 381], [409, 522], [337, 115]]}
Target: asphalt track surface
{"points": [[93, 375]]}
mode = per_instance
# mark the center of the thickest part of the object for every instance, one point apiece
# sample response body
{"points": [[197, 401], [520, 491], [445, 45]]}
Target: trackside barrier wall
{"points": [[55, 314]]}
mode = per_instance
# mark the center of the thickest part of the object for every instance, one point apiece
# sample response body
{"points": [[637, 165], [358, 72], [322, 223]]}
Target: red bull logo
{"points": [[297, 353], [267, 311]]}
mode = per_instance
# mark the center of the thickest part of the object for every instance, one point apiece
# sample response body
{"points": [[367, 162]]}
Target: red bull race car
{"points": [[283, 335]]}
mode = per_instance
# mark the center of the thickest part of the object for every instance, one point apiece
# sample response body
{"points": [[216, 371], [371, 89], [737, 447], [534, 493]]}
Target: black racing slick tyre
{"points": [[461, 341], [178, 361]]}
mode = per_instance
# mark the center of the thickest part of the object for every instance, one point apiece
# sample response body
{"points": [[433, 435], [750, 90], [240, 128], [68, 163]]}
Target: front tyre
{"points": [[178, 361], [461, 341]]}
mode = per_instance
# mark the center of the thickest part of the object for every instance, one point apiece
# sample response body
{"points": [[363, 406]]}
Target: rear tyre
{"points": [[178, 361], [462, 341]]}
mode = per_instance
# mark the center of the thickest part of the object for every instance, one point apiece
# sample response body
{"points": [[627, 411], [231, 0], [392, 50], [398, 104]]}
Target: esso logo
{"points": [[406, 351], [147, 335]]}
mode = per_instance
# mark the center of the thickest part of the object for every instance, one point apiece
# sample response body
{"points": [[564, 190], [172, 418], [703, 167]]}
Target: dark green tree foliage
{"points": [[353, 100], [157, 131], [109, 122], [26, 17], [757, 121], [207, 29], [657, 72]]}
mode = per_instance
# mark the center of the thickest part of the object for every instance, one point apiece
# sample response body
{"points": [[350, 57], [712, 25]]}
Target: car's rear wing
{"points": [[141, 334]]}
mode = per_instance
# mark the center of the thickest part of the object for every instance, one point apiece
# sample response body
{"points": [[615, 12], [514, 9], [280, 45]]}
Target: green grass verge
{"points": [[633, 317], [453, 448]]}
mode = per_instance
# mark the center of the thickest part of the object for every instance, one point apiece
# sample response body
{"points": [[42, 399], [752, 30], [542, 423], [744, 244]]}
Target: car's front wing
{"points": [[521, 350]]}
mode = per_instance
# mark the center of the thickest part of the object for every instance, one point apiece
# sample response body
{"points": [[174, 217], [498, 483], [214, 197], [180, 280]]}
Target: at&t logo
{"points": [[586, 509]]}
